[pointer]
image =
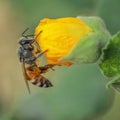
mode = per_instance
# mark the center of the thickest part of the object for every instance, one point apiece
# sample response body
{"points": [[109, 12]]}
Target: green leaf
{"points": [[110, 63]]}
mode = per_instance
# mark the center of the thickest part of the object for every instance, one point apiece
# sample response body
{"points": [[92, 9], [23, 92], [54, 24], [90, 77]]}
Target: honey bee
{"points": [[28, 55]]}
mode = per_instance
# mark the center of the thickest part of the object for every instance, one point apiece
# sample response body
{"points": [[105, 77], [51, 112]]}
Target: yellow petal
{"points": [[58, 36]]}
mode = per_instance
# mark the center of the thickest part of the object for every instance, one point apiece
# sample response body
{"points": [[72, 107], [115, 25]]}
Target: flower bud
{"points": [[71, 40]]}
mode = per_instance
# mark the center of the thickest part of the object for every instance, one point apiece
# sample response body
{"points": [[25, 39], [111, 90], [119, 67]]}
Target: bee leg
{"points": [[40, 54], [46, 67], [50, 66], [52, 69]]}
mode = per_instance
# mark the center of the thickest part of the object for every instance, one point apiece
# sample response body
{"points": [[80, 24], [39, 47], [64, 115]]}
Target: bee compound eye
{"points": [[22, 42]]}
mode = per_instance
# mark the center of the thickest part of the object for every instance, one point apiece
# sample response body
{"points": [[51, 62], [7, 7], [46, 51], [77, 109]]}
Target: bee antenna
{"points": [[23, 34]]}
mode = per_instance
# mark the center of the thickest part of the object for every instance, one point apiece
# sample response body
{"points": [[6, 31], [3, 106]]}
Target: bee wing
{"points": [[24, 73]]}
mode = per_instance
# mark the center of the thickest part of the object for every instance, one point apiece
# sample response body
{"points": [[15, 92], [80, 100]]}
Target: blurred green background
{"points": [[79, 91]]}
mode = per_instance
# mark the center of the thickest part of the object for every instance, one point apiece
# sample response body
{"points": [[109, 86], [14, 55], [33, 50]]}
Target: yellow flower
{"points": [[58, 36]]}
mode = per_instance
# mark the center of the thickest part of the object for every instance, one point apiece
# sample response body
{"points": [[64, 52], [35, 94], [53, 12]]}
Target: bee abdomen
{"points": [[41, 81]]}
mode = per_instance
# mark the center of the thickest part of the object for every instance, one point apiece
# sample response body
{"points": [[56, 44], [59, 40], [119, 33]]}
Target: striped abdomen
{"points": [[35, 77], [41, 81]]}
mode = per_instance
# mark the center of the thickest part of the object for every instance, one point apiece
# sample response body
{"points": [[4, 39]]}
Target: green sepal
{"points": [[89, 48]]}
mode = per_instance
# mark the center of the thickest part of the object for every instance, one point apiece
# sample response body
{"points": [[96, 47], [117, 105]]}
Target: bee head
{"points": [[25, 41]]}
